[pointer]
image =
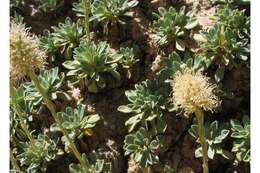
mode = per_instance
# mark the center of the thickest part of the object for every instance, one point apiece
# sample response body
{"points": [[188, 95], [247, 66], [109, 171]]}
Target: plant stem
{"points": [[147, 170], [200, 118], [20, 114], [13, 161], [87, 12], [51, 107]]}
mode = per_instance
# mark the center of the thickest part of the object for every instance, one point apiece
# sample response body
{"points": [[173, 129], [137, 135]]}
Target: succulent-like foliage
{"points": [[25, 53], [13, 123], [49, 5], [17, 4], [78, 58], [94, 64], [147, 102], [16, 131], [128, 60], [19, 105], [20, 112], [241, 135], [67, 36], [80, 8], [174, 63], [76, 122], [19, 101], [223, 48], [234, 19], [17, 18], [52, 82], [111, 11], [47, 43], [192, 91], [95, 165], [172, 26], [142, 147], [215, 134], [36, 156], [237, 21]]}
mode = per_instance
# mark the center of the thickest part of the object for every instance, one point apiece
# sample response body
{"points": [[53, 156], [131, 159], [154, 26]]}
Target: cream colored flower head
{"points": [[25, 53], [192, 91]]}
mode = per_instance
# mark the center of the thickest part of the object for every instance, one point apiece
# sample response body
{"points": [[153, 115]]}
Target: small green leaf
{"points": [[198, 152], [124, 109], [180, 45], [211, 152], [219, 74], [199, 38], [192, 24], [133, 121], [93, 118]]}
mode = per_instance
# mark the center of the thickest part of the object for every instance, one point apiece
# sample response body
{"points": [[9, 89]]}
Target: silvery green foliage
{"points": [[235, 19], [66, 36], [128, 59], [222, 48], [227, 44], [16, 3], [94, 164], [36, 157], [172, 26], [16, 131], [107, 11], [147, 102], [76, 122], [47, 43], [19, 102], [142, 147], [17, 18], [24, 107], [241, 135], [52, 82], [13, 171], [94, 64], [80, 8], [49, 5], [174, 62], [215, 134]]}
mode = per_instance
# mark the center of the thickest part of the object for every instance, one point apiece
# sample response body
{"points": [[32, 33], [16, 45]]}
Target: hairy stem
{"points": [[87, 12], [51, 107], [200, 118], [18, 111], [14, 164]]}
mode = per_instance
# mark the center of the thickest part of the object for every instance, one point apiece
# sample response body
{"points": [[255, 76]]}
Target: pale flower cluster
{"points": [[192, 91], [25, 53]]}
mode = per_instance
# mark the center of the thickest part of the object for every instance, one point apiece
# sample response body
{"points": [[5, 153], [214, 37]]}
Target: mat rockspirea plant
{"points": [[193, 93], [172, 26], [241, 135], [26, 58], [77, 124], [215, 134], [51, 83], [226, 45], [66, 36], [38, 154], [136, 86], [142, 147], [128, 59], [112, 11], [146, 104], [93, 64]]}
